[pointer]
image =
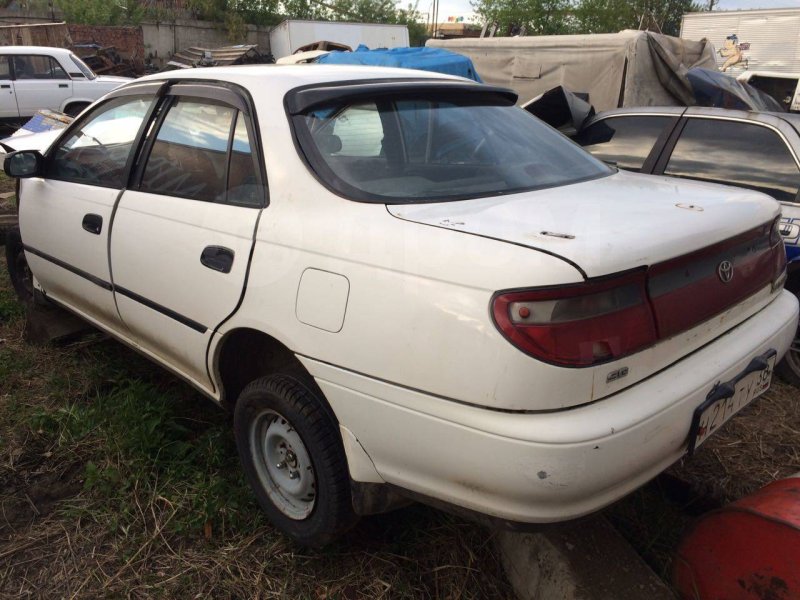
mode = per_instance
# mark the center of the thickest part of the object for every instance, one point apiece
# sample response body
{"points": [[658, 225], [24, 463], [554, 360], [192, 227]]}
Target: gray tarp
{"points": [[629, 68]]}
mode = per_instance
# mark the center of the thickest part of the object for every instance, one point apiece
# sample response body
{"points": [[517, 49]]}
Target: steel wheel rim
{"points": [[283, 465]]}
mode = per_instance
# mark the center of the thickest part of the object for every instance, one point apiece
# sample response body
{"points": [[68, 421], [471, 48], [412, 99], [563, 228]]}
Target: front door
{"points": [[182, 236], [65, 217], [39, 82]]}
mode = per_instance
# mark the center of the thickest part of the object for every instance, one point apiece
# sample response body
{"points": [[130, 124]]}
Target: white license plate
{"points": [[728, 398]]}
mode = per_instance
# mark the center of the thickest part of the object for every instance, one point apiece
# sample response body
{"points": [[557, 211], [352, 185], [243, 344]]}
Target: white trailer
{"points": [[749, 40], [289, 35]]}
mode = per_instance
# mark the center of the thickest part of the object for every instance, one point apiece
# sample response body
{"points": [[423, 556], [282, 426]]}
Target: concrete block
{"points": [[581, 560], [53, 325]]}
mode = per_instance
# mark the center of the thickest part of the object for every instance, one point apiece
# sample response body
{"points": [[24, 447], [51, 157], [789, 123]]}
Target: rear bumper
{"points": [[551, 466]]}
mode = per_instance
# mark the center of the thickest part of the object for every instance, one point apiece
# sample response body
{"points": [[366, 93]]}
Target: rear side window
{"points": [[625, 141], [736, 153], [5, 70], [202, 151], [425, 149]]}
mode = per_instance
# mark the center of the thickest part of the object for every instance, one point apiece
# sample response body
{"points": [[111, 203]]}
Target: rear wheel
{"points": [[18, 270], [293, 458]]}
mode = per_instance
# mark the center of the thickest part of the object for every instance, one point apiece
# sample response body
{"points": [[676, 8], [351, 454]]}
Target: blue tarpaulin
{"points": [[426, 59]]}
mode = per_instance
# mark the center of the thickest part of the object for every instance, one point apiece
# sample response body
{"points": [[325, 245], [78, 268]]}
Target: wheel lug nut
{"points": [[280, 465], [293, 474]]}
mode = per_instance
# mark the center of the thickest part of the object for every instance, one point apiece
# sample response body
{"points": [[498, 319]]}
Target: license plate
{"points": [[726, 399]]}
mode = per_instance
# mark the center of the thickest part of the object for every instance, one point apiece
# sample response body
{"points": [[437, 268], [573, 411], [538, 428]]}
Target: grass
{"points": [[117, 479]]}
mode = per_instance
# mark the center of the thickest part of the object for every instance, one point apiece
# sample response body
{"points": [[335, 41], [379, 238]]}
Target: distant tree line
{"points": [[548, 17], [507, 17]]}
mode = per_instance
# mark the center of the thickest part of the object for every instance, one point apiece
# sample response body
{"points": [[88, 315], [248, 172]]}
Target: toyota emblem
{"points": [[725, 271]]}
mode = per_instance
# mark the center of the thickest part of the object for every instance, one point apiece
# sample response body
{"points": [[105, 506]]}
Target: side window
{"points": [[37, 67], [735, 153], [98, 151], [5, 70], [189, 155], [625, 141]]}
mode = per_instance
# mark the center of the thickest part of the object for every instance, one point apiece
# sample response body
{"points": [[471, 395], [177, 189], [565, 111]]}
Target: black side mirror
{"points": [[23, 163]]}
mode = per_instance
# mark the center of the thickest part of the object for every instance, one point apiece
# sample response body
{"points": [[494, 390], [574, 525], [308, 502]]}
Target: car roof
{"points": [[282, 78], [746, 115], [34, 50]]}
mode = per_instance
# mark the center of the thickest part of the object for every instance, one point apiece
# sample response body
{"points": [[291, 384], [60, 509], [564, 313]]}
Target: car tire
{"points": [[76, 108], [789, 368], [18, 270], [293, 458]]}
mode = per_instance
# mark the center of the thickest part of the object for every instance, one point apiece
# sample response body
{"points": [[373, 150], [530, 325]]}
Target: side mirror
{"points": [[23, 163]]}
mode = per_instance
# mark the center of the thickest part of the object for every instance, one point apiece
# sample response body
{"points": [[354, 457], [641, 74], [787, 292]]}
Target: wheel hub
{"points": [[283, 465]]}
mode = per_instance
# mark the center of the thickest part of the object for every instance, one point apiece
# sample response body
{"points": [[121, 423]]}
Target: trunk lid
{"points": [[606, 225]]}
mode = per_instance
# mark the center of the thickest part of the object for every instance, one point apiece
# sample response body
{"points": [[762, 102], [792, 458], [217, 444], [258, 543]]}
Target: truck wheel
{"points": [[18, 270], [76, 108], [293, 458], [789, 367]]}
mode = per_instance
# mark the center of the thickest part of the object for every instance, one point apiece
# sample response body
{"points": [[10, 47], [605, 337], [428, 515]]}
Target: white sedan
{"points": [[405, 287], [39, 77]]}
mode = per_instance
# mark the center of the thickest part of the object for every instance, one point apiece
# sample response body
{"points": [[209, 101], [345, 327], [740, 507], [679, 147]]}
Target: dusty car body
{"points": [[395, 304]]}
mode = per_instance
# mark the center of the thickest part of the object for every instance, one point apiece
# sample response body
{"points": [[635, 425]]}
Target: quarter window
{"points": [[98, 151], [5, 71], [735, 153], [202, 151], [625, 141]]}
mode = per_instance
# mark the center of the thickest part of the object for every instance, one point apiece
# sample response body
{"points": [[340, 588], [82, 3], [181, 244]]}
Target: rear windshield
{"points": [[423, 150]]}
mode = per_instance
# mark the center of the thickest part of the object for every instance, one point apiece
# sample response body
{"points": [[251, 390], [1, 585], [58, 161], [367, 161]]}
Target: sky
{"points": [[462, 7]]}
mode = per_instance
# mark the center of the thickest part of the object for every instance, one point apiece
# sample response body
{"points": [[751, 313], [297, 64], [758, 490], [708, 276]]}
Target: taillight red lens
{"points": [[579, 325]]}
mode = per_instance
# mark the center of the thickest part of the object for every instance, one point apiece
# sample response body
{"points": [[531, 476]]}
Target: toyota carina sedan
{"points": [[405, 287]]}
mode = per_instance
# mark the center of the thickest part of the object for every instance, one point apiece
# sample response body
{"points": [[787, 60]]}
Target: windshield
{"points": [[421, 150], [84, 68]]}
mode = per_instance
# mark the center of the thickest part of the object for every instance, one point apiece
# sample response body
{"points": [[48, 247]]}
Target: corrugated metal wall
{"points": [[773, 36]]}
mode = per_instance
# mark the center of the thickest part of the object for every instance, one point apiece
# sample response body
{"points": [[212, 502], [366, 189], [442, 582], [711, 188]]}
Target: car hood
{"points": [[606, 225], [30, 141]]}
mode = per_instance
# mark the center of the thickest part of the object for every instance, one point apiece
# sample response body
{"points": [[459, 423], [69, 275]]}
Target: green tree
{"points": [[531, 17], [608, 16], [101, 12]]}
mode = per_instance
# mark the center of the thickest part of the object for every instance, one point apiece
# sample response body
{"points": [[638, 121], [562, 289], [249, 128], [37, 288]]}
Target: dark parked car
{"points": [[753, 150]]}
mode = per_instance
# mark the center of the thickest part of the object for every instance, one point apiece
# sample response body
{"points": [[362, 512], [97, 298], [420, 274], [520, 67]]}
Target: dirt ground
{"points": [[118, 480]]}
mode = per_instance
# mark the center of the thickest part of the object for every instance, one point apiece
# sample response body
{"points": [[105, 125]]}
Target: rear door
{"points": [[630, 141], [39, 82], [183, 233], [8, 100]]}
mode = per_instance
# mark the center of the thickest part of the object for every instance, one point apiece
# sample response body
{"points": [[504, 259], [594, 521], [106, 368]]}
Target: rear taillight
{"points": [[775, 236], [579, 325]]}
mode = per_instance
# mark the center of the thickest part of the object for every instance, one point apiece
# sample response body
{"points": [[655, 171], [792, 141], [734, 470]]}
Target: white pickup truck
{"points": [[406, 287], [39, 77]]}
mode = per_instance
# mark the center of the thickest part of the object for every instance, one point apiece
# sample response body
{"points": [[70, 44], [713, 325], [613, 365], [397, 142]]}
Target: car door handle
{"points": [[93, 223], [63, 85], [5, 86], [217, 258]]}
